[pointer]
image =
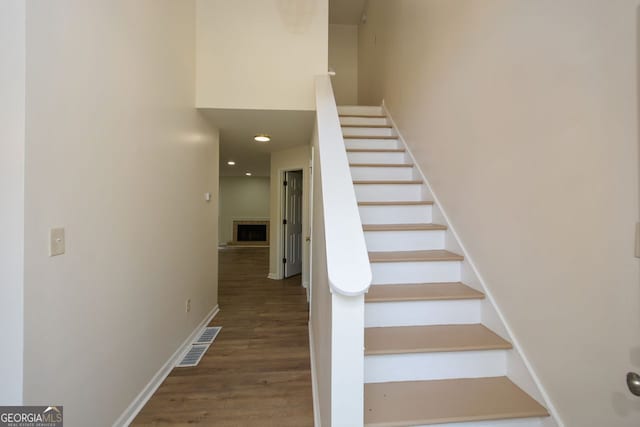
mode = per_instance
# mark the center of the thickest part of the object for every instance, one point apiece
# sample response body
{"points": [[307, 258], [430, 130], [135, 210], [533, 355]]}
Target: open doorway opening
{"points": [[292, 187]]}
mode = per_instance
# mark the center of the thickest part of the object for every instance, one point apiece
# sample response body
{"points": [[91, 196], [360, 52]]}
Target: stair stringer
{"points": [[519, 369]]}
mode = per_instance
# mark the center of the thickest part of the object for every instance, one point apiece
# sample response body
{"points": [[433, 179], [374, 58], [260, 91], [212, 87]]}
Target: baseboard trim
{"points": [[138, 403], [273, 276], [307, 289], [314, 381]]}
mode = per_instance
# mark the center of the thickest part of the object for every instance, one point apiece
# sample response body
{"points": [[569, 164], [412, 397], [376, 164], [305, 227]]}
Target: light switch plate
{"points": [[56, 242]]}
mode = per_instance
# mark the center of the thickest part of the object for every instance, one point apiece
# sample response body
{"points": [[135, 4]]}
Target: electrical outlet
{"points": [[56, 242], [187, 306]]}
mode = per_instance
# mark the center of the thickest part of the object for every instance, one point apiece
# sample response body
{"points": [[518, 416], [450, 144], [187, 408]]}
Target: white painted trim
{"points": [[141, 399], [314, 381], [250, 218], [514, 341], [273, 276], [348, 268], [306, 286], [309, 243], [347, 360], [512, 422]]}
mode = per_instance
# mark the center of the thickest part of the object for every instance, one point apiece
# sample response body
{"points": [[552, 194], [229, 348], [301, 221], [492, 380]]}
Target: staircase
{"points": [[428, 358]]}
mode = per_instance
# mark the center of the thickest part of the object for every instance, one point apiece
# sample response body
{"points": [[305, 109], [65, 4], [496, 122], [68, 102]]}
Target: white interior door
{"points": [[292, 223]]}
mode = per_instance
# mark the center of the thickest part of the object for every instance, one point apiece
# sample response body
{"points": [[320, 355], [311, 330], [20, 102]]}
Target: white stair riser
{"points": [[415, 240], [415, 272], [373, 131], [415, 214], [372, 144], [364, 121], [360, 110], [413, 313], [377, 157], [381, 173], [434, 366], [512, 422], [385, 192]]}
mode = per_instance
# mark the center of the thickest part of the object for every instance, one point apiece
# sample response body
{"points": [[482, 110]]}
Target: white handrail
{"points": [[348, 268]]}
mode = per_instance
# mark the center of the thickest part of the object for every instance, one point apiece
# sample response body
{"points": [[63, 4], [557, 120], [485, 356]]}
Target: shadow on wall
{"points": [[638, 107], [638, 111], [296, 15], [625, 404], [635, 352]]}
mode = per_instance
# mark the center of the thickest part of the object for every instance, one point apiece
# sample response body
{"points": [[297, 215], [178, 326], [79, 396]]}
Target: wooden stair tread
{"points": [[375, 150], [446, 401], [388, 181], [414, 256], [431, 339], [368, 126], [369, 137], [381, 165], [403, 227], [397, 203], [365, 116], [421, 292]]}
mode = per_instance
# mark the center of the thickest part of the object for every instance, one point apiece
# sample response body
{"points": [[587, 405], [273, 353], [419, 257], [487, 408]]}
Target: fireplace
{"points": [[249, 232], [252, 232]]}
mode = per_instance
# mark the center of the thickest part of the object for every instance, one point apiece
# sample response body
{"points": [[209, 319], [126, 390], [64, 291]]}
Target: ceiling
{"points": [[346, 12], [238, 127]]}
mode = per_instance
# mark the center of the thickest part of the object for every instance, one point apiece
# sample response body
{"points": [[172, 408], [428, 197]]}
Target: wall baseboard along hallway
{"points": [[138, 403]]}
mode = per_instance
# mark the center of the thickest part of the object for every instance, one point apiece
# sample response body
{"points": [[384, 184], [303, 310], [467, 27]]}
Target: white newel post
{"points": [[347, 375]]}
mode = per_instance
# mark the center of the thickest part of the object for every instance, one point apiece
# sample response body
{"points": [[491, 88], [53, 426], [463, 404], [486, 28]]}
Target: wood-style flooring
{"points": [[257, 372]]}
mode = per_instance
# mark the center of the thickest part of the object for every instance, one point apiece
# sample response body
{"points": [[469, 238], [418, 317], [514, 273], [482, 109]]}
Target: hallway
{"points": [[257, 371]]}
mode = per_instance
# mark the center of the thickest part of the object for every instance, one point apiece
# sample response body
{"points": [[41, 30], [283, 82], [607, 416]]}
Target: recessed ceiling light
{"points": [[262, 137], [248, 173], [231, 163]]}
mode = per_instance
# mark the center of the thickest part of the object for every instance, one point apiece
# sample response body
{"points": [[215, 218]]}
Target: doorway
{"points": [[292, 185]]}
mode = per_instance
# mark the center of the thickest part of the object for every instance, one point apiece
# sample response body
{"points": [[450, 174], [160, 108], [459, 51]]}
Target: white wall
{"points": [[12, 105], [291, 159], [260, 54], [343, 59], [116, 154], [523, 115], [242, 197]]}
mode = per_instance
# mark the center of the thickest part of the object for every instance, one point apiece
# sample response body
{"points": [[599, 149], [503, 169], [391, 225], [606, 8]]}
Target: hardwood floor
{"points": [[257, 372]]}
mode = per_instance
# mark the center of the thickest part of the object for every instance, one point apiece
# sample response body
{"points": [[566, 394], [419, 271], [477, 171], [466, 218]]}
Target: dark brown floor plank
{"points": [[257, 372]]}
